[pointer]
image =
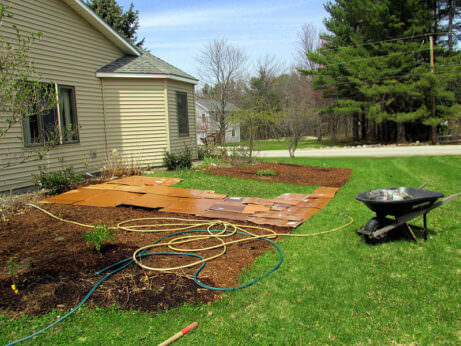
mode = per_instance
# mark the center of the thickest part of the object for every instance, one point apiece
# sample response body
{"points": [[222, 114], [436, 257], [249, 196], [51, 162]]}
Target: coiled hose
{"points": [[181, 227]]}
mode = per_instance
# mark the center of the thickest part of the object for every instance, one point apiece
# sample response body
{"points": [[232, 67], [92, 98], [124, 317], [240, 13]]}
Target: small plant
{"points": [[180, 160], [236, 156], [12, 266], [146, 282], [209, 150], [99, 234], [266, 172], [116, 165], [56, 182]]}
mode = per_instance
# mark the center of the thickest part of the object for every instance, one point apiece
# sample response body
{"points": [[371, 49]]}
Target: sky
{"points": [[178, 30]]}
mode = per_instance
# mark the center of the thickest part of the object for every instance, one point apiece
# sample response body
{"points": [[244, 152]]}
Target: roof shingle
{"points": [[144, 64]]}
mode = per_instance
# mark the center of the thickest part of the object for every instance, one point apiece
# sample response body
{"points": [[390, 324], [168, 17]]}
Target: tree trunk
{"points": [[401, 136], [363, 126], [374, 128], [434, 134], [319, 129], [250, 141], [293, 146], [333, 128], [355, 127], [451, 16]]}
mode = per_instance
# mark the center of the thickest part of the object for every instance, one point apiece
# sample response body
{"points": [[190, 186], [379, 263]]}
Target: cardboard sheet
{"points": [[233, 207], [287, 210], [325, 192], [138, 180], [152, 201], [108, 198], [73, 196], [189, 205]]}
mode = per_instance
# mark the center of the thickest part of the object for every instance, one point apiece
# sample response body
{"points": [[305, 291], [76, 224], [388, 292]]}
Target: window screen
{"points": [[183, 119]]}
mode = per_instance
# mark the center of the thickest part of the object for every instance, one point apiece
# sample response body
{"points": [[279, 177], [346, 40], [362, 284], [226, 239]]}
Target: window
{"points": [[233, 132], [58, 125], [183, 119], [68, 113]]}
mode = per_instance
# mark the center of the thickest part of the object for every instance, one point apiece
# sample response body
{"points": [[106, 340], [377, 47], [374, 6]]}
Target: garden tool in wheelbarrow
{"points": [[403, 204]]}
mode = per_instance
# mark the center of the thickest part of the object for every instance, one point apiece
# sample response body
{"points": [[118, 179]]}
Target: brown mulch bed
{"points": [[289, 173], [56, 267]]}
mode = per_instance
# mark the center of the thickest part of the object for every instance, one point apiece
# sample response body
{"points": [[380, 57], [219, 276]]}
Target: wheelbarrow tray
{"points": [[403, 203], [417, 198]]}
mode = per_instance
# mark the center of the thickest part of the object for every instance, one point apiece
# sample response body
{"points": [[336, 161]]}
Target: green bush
{"points": [[201, 152], [266, 172], [58, 181], [99, 234], [210, 150], [180, 160]]}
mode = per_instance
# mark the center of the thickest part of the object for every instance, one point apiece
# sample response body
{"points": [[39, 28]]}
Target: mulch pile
{"points": [[289, 173], [55, 267]]}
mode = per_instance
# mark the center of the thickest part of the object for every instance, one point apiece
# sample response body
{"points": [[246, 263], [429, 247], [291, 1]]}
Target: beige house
{"points": [[207, 121], [111, 94]]}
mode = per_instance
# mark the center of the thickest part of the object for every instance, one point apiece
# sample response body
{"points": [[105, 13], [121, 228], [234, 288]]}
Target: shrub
{"points": [[180, 160], [99, 234], [266, 172], [201, 152], [56, 182], [237, 156], [115, 165], [210, 150]]}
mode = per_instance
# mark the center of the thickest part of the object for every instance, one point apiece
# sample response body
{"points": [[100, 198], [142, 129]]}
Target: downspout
{"points": [[167, 115], [104, 114]]}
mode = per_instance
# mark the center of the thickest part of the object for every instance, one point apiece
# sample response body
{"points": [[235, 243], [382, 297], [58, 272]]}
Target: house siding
{"points": [[178, 143], [228, 136], [211, 126], [69, 53], [136, 119]]}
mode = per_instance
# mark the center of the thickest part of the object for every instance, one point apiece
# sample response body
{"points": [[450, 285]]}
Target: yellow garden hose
{"points": [[181, 226], [227, 229]]}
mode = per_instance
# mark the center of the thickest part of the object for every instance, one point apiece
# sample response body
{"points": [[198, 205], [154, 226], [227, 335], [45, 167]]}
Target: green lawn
{"points": [[282, 145], [331, 289]]}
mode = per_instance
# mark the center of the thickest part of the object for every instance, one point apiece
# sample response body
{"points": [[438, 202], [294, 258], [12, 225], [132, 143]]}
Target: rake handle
{"points": [[179, 334]]}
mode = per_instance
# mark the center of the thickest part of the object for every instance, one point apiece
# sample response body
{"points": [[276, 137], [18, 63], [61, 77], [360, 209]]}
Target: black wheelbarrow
{"points": [[403, 203]]}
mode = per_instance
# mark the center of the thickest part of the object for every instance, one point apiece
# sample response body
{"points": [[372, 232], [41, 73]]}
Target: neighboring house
{"points": [[207, 121], [114, 96]]}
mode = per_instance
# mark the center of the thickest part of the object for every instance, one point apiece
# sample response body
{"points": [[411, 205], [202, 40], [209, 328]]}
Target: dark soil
{"points": [[55, 267], [288, 173]]}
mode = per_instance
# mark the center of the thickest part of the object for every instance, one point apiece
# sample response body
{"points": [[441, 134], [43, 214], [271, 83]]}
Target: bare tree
{"points": [[309, 40], [221, 65], [298, 114]]}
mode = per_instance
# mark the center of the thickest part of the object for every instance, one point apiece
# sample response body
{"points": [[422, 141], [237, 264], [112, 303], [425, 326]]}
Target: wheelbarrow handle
{"points": [[450, 198], [420, 187]]}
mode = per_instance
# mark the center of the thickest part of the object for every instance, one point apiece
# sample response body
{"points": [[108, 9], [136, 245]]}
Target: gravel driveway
{"points": [[369, 151]]}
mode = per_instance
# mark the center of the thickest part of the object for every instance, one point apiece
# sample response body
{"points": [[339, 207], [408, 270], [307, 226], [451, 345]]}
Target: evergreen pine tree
{"points": [[376, 63], [125, 23]]}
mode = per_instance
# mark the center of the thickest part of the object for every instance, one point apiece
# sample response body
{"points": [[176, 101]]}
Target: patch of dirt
{"points": [[55, 267], [289, 173]]}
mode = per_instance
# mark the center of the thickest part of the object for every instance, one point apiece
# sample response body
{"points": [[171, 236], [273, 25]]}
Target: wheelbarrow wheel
{"points": [[372, 226]]}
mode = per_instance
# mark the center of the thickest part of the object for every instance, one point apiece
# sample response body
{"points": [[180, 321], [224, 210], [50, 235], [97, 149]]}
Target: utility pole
{"points": [[434, 128], [431, 48]]}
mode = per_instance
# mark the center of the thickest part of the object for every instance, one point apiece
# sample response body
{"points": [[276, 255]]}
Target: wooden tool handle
{"points": [[179, 334]]}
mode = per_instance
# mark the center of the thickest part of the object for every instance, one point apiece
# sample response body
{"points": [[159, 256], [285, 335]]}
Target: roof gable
{"points": [[94, 20], [211, 105]]}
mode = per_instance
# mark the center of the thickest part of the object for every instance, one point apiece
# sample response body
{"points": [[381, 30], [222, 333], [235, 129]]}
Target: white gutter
{"points": [[102, 26], [145, 75]]}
